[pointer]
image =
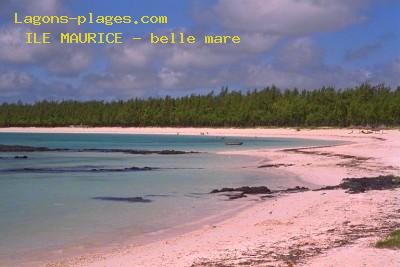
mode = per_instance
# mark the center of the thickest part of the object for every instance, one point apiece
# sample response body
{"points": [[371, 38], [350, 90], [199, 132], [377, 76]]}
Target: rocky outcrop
{"points": [[351, 185], [17, 148], [275, 165], [361, 185], [124, 199], [244, 189], [76, 170]]}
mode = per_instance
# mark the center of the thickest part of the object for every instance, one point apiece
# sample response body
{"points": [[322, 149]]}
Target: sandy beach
{"points": [[314, 228]]}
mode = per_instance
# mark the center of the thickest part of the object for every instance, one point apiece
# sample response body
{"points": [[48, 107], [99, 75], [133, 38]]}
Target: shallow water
{"points": [[53, 210]]}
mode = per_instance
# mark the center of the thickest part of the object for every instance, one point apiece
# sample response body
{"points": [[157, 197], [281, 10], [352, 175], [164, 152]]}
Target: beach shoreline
{"points": [[315, 224]]}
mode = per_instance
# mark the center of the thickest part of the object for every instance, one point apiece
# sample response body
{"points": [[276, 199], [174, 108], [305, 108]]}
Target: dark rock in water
{"points": [[225, 189], [75, 170], [257, 190], [275, 165], [267, 196], [351, 185], [20, 157], [15, 157], [245, 190], [17, 148], [295, 189], [36, 170], [135, 151], [361, 185], [235, 196], [124, 199], [174, 152], [125, 169]]}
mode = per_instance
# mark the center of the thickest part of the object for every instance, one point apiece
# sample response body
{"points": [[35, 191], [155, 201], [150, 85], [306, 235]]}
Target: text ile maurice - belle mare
{"points": [[111, 37]]}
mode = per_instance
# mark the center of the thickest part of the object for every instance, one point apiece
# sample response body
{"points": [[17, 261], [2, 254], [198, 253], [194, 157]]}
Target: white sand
{"points": [[323, 228]]}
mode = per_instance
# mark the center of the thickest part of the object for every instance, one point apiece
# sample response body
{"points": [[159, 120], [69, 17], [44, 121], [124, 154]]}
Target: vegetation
{"points": [[362, 105], [393, 241]]}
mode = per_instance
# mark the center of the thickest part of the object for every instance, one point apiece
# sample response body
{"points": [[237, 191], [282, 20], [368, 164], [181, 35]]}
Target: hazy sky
{"points": [[289, 43]]}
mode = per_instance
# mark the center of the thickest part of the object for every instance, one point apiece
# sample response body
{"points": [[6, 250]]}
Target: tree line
{"points": [[374, 105]]}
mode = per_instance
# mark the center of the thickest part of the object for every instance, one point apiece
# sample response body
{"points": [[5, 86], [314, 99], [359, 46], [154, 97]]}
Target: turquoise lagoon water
{"points": [[50, 211]]}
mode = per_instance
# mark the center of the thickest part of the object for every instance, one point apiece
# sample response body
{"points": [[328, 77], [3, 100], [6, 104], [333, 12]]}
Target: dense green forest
{"points": [[362, 105]]}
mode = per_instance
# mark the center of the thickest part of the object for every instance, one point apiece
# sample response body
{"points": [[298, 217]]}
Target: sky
{"points": [[303, 44]]}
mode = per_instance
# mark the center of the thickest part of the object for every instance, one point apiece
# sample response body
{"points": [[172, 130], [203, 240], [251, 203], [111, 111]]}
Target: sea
{"points": [[88, 191]]}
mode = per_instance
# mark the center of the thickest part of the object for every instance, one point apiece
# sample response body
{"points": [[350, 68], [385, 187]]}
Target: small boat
{"points": [[233, 143]]}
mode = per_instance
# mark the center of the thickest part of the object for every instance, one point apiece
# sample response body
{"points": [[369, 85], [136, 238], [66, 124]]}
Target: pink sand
{"points": [[321, 228]]}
